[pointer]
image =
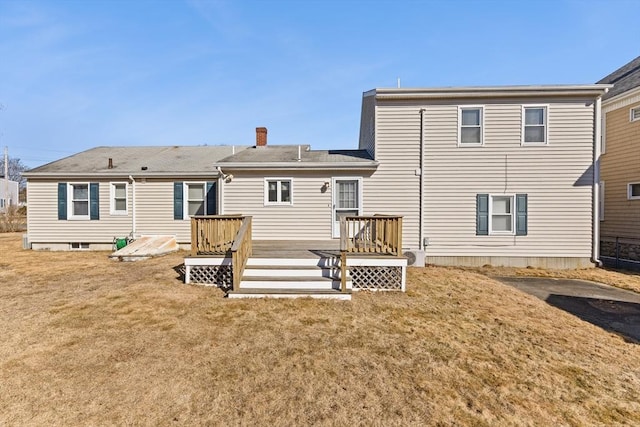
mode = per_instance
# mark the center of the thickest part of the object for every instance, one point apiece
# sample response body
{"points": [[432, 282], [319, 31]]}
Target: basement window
{"points": [[79, 246]]}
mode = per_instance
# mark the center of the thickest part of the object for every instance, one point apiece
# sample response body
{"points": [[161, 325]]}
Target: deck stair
{"points": [[317, 277]]}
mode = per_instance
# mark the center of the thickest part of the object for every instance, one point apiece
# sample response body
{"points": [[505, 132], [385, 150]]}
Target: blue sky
{"points": [[80, 74]]}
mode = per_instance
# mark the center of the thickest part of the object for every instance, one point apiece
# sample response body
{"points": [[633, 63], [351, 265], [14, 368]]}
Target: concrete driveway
{"points": [[612, 309]]}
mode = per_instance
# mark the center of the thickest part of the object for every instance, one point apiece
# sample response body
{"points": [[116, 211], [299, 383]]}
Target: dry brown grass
{"points": [[88, 341]]}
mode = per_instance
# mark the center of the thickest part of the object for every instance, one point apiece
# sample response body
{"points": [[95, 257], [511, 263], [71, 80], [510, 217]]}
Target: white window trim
{"points": [[266, 191], [631, 110], [112, 194], [185, 198], [470, 144], [629, 196], [70, 215], [513, 215], [546, 124], [601, 200]]}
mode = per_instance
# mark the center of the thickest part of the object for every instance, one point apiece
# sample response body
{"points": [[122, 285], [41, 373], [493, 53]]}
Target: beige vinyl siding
{"points": [[394, 187], [42, 216], [154, 210], [557, 177], [309, 217], [619, 166], [368, 125]]}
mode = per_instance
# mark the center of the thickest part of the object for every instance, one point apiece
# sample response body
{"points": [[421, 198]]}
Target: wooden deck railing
{"points": [[377, 234], [213, 235], [241, 251]]}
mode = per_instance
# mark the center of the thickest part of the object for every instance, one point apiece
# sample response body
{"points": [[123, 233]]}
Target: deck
{"points": [[225, 254]]}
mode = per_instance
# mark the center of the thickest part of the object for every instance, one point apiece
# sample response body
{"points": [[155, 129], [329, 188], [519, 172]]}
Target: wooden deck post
{"points": [[343, 271]]}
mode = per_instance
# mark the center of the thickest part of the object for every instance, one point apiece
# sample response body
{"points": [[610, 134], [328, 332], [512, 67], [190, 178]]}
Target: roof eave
{"points": [[298, 166], [95, 175], [591, 91]]}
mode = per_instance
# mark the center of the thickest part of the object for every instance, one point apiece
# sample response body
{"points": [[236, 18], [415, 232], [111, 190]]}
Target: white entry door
{"points": [[346, 200]]}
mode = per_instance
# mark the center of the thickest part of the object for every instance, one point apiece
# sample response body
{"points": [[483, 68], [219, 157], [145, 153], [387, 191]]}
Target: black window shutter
{"points": [[62, 200], [178, 207], [211, 198], [94, 201], [482, 214], [521, 214]]}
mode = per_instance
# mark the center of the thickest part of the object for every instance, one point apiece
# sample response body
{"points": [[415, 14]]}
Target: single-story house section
{"points": [[485, 175], [85, 200]]}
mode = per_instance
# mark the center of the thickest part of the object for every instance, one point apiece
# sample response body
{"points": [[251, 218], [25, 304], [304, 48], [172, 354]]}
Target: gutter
{"points": [[298, 166], [493, 92], [597, 134], [120, 175]]}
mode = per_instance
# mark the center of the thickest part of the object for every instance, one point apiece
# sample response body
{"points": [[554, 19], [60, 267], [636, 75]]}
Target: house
{"points": [[483, 175], [619, 169], [9, 191]]}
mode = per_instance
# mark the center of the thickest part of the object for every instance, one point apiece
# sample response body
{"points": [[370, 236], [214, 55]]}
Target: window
{"points": [[501, 211], [119, 198], [195, 199], [79, 197], [534, 125], [501, 214], [78, 201], [633, 191], [470, 120], [278, 191], [79, 246], [634, 114]]}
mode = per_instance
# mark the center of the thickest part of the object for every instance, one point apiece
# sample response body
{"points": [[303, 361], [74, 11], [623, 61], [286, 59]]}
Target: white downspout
{"points": [[597, 117], [133, 206], [421, 171]]}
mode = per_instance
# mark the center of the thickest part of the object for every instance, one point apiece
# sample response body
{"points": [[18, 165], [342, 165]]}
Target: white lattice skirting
{"points": [[218, 275], [379, 278]]}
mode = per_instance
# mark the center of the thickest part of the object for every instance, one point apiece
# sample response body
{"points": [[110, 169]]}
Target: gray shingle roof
{"points": [[131, 160], [286, 156], [623, 79]]}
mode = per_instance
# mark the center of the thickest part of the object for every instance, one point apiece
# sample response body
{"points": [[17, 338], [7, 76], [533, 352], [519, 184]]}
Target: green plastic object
{"points": [[121, 243]]}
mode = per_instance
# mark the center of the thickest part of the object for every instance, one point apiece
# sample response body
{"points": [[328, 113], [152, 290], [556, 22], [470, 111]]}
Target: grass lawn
{"points": [[89, 341]]}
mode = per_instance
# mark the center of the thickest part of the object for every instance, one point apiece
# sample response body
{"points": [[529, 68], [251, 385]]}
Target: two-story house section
{"points": [[488, 175], [620, 164]]}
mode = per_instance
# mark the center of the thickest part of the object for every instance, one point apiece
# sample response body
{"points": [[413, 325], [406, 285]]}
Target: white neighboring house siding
{"points": [[11, 198], [556, 177], [308, 217]]}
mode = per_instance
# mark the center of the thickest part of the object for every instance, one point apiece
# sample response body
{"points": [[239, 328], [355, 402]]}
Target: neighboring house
{"points": [[620, 164], [485, 175], [9, 191]]}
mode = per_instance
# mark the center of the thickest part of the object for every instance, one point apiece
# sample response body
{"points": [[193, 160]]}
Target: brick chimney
{"points": [[261, 137]]}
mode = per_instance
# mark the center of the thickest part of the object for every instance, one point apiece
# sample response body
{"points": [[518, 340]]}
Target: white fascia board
{"points": [[621, 100]]}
